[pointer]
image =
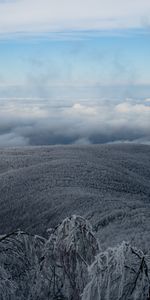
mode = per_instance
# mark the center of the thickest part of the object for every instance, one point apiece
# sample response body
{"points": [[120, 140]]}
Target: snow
{"points": [[70, 265], [107, 184], [119, 273], [53, 256]]}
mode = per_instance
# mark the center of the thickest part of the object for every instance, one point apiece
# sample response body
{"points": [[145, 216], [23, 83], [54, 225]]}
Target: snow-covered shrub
{"points": [[120, 273]]}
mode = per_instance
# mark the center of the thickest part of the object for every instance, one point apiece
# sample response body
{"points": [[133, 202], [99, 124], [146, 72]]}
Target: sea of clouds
{"points": [[47, 121]]}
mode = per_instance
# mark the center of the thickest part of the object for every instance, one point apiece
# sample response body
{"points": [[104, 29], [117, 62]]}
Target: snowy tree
{"points": [[70, 265], [119, 273], [71, 248], [19, 261]]}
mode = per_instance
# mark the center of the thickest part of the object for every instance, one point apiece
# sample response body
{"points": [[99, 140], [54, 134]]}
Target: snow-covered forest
{"points": [[109, 185], [70, 265]]}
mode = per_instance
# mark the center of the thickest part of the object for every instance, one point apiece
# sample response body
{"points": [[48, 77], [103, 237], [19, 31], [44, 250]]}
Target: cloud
{"points": [[36, 123], [147, 100], [132, 108], [41, 16], [11, 140]]}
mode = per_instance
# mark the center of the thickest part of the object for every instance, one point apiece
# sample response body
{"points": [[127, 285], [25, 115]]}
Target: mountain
{"points": [[107, 184]]}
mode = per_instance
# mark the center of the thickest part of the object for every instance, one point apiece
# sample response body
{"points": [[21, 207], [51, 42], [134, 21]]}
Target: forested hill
{"points": [[107, 184]]}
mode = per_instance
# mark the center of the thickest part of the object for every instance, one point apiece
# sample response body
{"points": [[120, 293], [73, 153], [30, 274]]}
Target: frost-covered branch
{"points": [[70, 265]]}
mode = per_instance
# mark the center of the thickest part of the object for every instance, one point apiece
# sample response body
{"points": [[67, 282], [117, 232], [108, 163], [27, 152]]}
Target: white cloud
{"points": [[38, 16], [132, 108], [147, 100], [80, 123], [11, 139], [84, 110]]}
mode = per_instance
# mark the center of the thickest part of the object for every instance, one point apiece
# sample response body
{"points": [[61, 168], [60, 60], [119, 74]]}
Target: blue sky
{"points": [[74, 72], [112, 59], [104, 41]]}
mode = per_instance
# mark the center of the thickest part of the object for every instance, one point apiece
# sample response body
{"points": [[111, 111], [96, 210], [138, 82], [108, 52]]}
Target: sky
{"points": [[74, 72]]}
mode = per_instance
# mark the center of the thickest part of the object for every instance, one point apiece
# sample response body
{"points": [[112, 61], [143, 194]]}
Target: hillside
{"points": [[107, 184]]}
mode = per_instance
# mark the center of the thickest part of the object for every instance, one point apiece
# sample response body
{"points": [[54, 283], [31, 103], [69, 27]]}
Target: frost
{"points": [[70, 265], [19, 261], [119, 273], [70, 249]]}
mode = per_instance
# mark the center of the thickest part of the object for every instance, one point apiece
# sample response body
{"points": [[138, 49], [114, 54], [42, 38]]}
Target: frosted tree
{"points": [[119, 273], [19, 262], [7, 285], [70, 265], [71, 247]]}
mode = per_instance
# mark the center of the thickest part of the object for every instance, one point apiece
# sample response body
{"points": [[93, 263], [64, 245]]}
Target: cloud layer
{"points": [[38, 16], [33, 123]]}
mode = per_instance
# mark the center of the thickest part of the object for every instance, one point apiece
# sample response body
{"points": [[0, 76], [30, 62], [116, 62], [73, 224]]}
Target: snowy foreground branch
{"points": [[70, 265]]}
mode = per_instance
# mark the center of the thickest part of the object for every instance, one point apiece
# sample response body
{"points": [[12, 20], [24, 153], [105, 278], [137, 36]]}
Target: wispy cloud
{"points": [[41, 16]]}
